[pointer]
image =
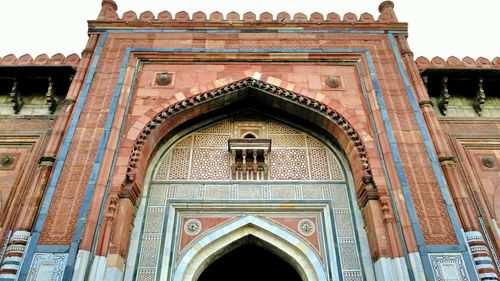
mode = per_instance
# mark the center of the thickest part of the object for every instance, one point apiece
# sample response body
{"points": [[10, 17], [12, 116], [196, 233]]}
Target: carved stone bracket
{"points": [[480, 97], [447, 159], [385, 204], [47, 161], [444, 98], [51, 100], [15, 97]]}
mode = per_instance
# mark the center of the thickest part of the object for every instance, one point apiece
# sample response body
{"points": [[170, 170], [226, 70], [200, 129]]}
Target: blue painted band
{"points": [[52, 249], [87, 199], [396, 157], [49, 193], [435, 166], [386, 173], [428, 143]]}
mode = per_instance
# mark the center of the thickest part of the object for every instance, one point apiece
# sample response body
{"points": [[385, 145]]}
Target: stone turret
{"points": [[108, 10]]}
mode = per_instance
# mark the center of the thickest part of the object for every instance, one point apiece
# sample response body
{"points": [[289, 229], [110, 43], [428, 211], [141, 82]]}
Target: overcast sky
{"points": [[436, 27]]}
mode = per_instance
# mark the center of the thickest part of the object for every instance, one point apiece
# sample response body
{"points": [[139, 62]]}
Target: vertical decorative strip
{"points": [[61, 159]]}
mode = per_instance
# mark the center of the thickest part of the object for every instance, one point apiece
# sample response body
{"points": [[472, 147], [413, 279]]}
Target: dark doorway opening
{"points": [[249, 262]]}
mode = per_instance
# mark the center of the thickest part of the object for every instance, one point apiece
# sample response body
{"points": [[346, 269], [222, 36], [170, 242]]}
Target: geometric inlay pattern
{"points": [[197, 168], [47, 266], [161, 192], [448, 267], [204, 155], [192, 227], [306, 227]]}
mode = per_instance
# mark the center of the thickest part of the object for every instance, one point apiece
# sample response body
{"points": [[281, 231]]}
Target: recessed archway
{"points": [[163, 120], [250, 261]]}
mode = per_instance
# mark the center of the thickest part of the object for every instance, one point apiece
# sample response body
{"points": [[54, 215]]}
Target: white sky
{"points": [[436, 27]]}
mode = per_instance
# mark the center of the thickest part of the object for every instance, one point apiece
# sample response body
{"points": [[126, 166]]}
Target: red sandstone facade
{"points": [[424, 183]]}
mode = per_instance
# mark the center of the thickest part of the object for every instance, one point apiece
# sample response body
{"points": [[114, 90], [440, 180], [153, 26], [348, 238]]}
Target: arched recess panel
{"points": [[205, 177]]}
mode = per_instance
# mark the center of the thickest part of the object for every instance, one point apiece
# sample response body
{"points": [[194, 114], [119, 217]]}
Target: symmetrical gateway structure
{"points": [[244, 147]]}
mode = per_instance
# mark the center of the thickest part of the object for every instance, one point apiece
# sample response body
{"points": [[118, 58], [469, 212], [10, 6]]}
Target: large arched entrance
{"points": [[210, 187], [249, 262]]}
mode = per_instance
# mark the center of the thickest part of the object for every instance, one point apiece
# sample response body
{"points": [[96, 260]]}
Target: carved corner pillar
{"points": [[108, 10], [11, 262], [481, 255], [380, 236], [117, 232]]}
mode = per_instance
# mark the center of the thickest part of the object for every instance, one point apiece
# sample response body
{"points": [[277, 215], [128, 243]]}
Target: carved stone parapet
{"points": [[51, 100], [480, 97], [444, 98], [15, 97]]}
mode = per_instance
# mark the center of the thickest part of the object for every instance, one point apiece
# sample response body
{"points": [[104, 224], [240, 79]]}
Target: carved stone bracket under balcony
{"points": [[249, 158], [480, 97], [51, 100], [15, 97], [444, 98]]}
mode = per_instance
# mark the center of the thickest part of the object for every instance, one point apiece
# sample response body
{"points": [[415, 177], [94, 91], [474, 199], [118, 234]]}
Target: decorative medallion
{"points": [[163, 78], [192, 227], [6, 161], [306, 227], [488, 161], [333, 81]]}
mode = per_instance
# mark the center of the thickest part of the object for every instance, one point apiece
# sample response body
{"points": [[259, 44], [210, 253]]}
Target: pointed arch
{"points": [[298, 253], [146, 135]]}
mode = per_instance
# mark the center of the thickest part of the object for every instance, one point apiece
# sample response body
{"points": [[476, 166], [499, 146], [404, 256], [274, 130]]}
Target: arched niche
{"points": [[260, 95], [335, 192]]}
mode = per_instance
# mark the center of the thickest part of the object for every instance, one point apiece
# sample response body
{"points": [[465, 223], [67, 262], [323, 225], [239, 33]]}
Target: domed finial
{"points": [[386, 10], [108, 10]]}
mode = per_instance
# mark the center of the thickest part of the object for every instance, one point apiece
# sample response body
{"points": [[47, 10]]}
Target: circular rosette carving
{"points": [[333, 81], [163, 78], [6, 161], [306, 227], [488, 161], [192, 227]]}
